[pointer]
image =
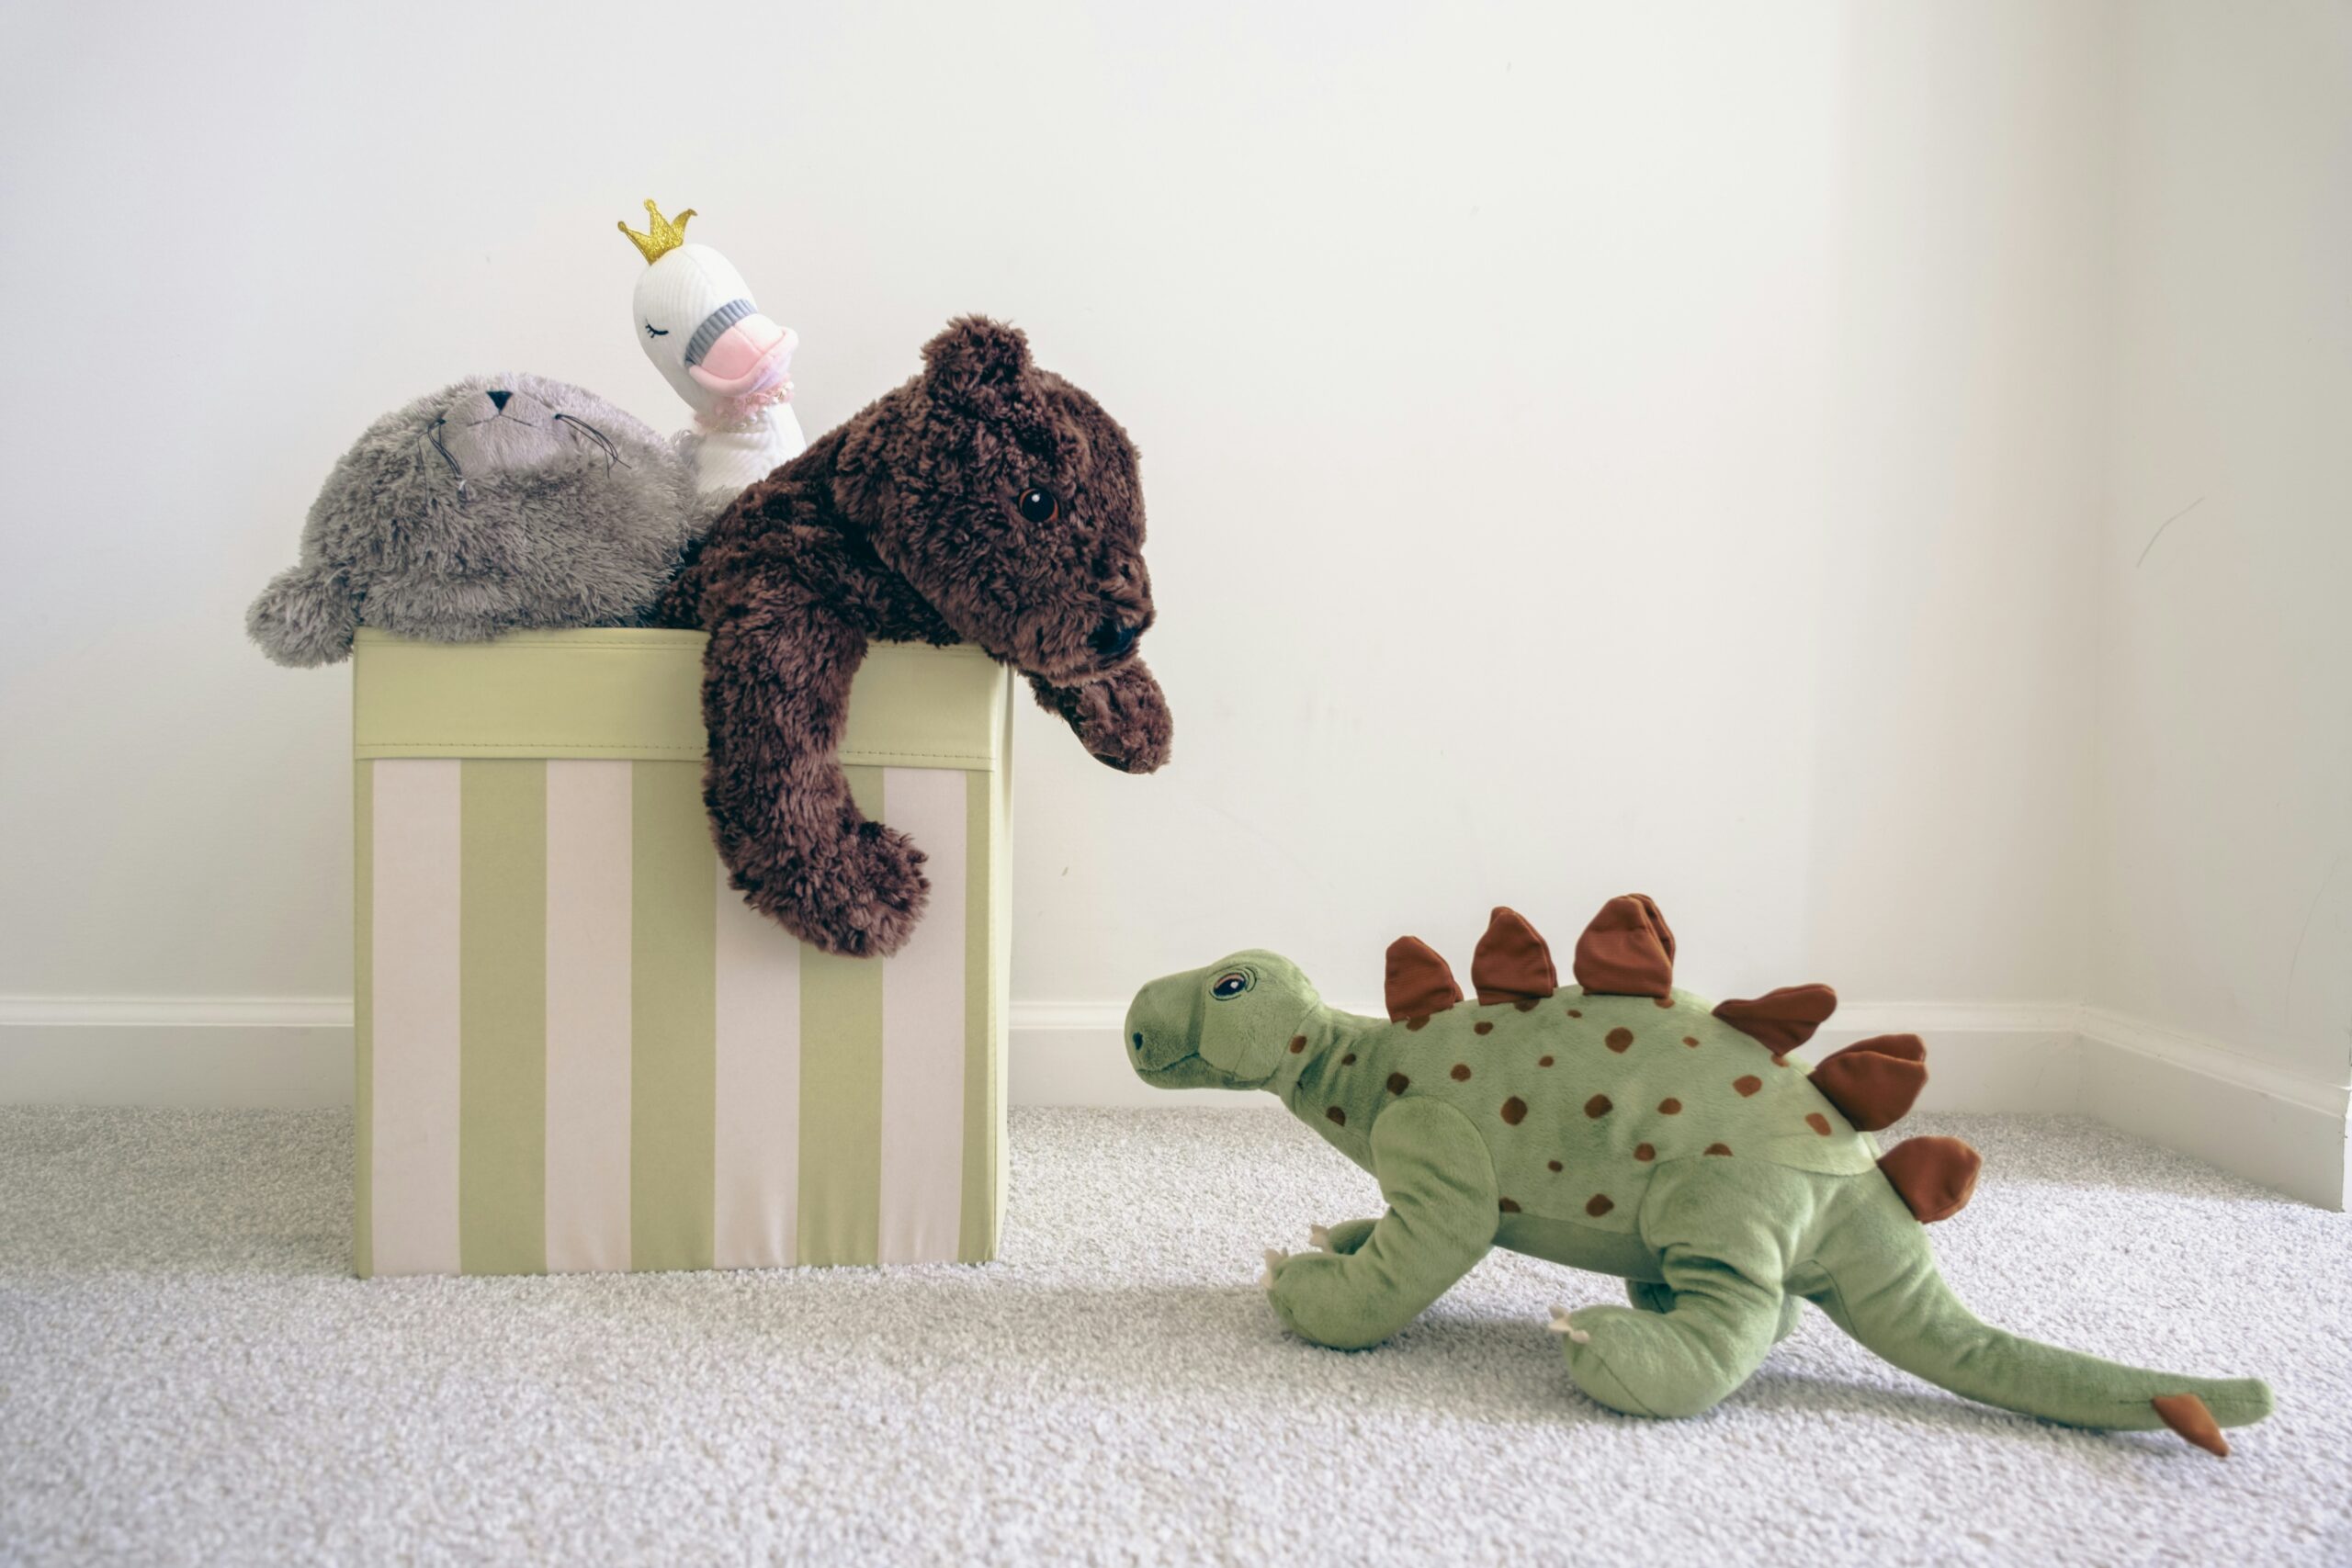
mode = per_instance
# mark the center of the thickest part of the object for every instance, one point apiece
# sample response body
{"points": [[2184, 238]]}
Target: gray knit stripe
{"points": [[715, 323]]}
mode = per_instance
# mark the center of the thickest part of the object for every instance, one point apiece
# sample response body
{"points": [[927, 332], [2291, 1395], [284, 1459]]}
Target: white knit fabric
{"points": [[673, 297]]}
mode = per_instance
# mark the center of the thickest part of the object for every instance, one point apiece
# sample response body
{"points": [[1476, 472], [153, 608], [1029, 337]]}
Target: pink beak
{"points": [[749, 356]]}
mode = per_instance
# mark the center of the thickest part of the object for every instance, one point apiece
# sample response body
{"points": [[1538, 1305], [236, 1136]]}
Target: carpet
{"points": [[188, 1375]]}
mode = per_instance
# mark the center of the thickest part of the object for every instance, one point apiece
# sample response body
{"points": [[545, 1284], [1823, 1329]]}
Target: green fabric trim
{"points": [[983, 1022], [673, 1021], [633, 693], [501, 1017], [363, 990], [841, 1090]]}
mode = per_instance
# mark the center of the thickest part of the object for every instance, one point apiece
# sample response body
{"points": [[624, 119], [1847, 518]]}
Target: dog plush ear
{"points": [[974, 359]]}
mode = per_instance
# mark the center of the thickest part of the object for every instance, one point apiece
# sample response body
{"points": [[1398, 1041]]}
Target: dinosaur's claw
{"points": [[1274, 1257], [1560, 1324], [1319, 1237]]}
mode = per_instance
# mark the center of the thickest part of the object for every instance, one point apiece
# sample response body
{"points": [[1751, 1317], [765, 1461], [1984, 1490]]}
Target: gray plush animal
{"points": [[501, 502]]}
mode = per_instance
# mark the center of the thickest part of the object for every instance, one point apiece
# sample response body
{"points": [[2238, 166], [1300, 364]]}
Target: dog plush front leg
{"points": [[1122, 718], [775, 695]]}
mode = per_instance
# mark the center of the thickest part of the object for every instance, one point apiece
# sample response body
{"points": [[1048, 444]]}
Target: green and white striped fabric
{"points": [[578, 1049]]}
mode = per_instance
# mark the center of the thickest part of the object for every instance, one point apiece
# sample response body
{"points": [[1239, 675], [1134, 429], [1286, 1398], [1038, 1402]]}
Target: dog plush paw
{"points": [[1122, 720]]}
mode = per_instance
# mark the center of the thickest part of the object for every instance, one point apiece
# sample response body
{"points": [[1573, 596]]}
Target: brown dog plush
{"points": [[985, 501]]}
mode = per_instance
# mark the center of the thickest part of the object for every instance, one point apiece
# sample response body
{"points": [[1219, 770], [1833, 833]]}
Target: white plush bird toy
{"points": [[696, 321]]}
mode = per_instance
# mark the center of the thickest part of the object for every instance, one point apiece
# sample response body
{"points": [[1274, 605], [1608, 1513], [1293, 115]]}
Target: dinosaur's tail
{"points": [[1887, 1293]]}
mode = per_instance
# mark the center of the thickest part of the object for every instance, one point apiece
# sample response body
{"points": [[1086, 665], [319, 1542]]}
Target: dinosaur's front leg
{"points": [[1123, 718], [1440, 1185], [1693, 1340]]}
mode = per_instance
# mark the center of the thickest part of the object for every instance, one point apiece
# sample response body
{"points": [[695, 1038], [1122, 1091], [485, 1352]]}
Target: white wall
{"points": [[2224, 819], [1590, 447]]}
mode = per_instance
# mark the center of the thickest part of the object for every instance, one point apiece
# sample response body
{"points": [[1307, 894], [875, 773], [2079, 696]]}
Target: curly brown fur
{"points": [[907, 524]]}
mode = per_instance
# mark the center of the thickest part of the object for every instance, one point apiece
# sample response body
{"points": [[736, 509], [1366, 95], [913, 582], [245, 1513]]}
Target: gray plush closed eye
{"points": [[715, 323]]}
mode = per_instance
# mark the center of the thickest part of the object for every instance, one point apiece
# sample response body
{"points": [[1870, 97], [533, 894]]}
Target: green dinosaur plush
{"points": [[1623, 1126]]}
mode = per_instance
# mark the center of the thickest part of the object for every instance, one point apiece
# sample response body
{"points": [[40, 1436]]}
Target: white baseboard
{"points": [[2200, 1097], [2187, 1092], [274, 1053]]}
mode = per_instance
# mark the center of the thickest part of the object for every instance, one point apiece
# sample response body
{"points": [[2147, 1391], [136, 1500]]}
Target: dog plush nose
{"points": [[1112, 638], [498, 399]]}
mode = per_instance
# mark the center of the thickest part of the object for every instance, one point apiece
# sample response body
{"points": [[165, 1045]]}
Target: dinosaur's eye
{"points": [[1039, 506], [1230, 984], [653, 331]]}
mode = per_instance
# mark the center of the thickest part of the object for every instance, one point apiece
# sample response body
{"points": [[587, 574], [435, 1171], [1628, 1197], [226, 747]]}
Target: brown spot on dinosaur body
{"points": [[1542, 1061], [1874, 1081], [2187, 1414], [1554, 1166], [1645, 1152], [1598, 1107], [1512, 963], [1719, 1148], [1399, 1083], [1508, 1205], [1748, 1085], [1297, 1044], [1783, 1019], [1461, 1073], [1597, 1205], [1690, 1040], [1524, 1004], [1416, 1024], [1419, 983], [1514, 1111], [1627, 950], [1620, 1041], [1349, 1060], [1817, 1122], [1934, 1176], [1575, 1012], [1339, 1117], [1670, 1106], [1483, 1026]]}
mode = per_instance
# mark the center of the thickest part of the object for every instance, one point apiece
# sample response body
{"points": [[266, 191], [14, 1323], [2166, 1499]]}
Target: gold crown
{"points": [[667, 236]]}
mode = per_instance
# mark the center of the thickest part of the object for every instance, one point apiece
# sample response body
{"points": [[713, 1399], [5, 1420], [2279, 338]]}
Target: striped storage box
{"points": [[578, 1049]]}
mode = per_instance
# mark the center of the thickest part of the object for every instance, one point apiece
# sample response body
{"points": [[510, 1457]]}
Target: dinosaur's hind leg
{"points": [[1723, 1243], [1651, 1295]]}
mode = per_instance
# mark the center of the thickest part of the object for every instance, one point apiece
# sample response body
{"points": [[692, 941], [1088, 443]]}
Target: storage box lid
{"points": [[636, 693]]}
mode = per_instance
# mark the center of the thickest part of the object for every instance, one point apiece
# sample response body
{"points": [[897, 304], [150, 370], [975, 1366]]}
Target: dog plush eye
{"points": [[1229, 985], [1039, 506]]}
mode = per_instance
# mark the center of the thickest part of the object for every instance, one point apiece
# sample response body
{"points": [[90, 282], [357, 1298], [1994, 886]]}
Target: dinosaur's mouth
{"points": [[1164, 1070]]}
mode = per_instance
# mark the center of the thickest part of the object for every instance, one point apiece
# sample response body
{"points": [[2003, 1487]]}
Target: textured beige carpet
{"points": [[186, 1375]]}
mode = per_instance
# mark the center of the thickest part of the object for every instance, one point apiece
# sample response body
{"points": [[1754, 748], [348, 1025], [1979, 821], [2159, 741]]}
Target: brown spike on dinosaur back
{"points": [[1627, 950], [1782, 1020], [2186, 1415], [1419, 983], [1874, 1081], [1512, 963], [1935, 1176]]}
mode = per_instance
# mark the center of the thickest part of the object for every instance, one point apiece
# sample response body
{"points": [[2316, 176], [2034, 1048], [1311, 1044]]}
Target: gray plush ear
{"points": [[973, 358], [305, 617]]}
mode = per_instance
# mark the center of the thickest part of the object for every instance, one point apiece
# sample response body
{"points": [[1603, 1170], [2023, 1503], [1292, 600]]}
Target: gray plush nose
{"points": [[498, 399]]}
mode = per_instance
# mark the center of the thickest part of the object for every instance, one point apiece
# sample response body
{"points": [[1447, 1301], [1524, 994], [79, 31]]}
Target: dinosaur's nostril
{"points": [[1112, 637], [1138, 1041]]}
